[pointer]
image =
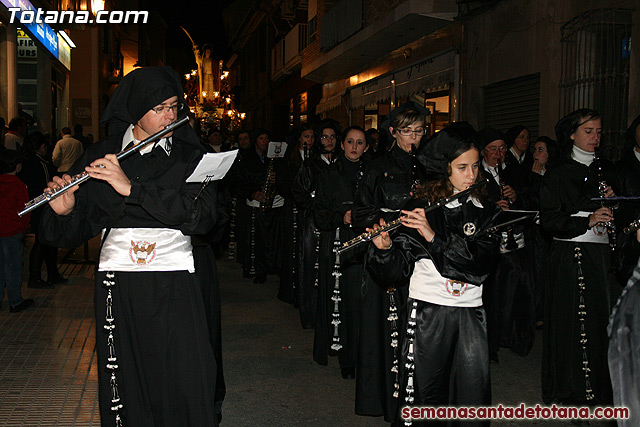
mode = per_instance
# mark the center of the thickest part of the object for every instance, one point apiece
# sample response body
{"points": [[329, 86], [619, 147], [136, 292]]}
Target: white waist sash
{"points": [[146, 249], [595, 234]]}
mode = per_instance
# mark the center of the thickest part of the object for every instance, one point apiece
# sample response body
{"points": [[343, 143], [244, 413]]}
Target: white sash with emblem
{"points": [[146, 249], [595, 234]]}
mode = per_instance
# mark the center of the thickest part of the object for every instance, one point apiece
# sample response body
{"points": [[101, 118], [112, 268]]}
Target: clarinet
{"points": [[83, 176], [632, 227], [268, 188], [602, 191], [511, 243], [414, 170], [396, 223]]}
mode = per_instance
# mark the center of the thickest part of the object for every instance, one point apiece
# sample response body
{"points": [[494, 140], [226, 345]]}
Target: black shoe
{"points": [[22, 306], [57, 280], [39, 284], [260, 278], [348, 373], [493, 358]]}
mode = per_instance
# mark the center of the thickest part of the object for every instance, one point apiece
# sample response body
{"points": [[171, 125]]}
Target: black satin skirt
{"points": [[510, 303], [451, 359]]}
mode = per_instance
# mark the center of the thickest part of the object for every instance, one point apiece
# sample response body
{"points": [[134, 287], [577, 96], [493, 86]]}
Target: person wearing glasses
{"points": [[304, 191], [155, 358], [509, 298], [385, 189]]}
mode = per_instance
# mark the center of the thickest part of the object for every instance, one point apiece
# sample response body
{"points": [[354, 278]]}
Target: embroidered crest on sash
{"points": [[600, 229], [456, 288], [142, 252], [469, 229]]}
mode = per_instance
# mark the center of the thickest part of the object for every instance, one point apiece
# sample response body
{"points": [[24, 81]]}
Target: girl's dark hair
{"points": [[438, 189], [367, 138], [567, 126], [512, 134], [550, 143], [295, 146]]}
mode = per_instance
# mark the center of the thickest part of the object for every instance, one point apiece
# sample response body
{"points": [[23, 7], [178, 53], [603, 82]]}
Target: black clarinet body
{"points": [[511, 243], [610, 225]]}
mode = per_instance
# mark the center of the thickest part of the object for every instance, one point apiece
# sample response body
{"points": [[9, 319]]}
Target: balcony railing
{"points": [[287, 53]]}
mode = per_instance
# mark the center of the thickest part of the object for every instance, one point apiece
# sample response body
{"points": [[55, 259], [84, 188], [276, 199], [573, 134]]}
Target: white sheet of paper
{"points": [[214, 166], [276, 149]]}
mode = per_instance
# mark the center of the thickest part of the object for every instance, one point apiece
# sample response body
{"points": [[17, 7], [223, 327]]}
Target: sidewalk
{"points": [[48, 373]]}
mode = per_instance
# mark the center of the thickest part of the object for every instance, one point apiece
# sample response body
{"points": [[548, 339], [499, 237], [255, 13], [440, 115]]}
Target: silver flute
{"points": [[396, 223], [83, 176]]}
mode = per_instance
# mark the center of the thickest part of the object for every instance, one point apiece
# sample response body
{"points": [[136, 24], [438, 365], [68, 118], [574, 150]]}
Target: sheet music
{"points": [[276, 149], [213, 166]]}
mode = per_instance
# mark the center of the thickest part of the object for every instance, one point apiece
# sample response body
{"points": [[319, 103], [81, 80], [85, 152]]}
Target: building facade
{"points": [[492, 63]]}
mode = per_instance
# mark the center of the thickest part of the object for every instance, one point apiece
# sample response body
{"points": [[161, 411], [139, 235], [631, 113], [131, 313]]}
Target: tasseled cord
{"points": [[112, 360], [232, 230], [582, 314], [393, 320], [409, 364], [252, 267], [335, 316], [316, 265]]}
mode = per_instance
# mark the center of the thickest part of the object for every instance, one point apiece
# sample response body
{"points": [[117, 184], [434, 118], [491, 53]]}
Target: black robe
{"points": [[166, 365], [287, 169], [303, 191], [335, 196], [509, 296], [451, 360], [259, 243], [566, 190], [628, 247], [386, 184]]}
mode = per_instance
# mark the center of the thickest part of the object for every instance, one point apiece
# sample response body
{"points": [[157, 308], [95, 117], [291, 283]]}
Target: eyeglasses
{"points": [[175, 108], [501, 149], [328, 137], [408, 132]]}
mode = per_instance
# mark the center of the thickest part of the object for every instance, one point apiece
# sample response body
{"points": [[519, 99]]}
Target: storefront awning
{"points": [[330, 102], [375, 90], [430, 75]]}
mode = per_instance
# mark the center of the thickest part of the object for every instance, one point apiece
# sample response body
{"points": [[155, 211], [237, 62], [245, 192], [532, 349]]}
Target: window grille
{"points": [[595, 71]]}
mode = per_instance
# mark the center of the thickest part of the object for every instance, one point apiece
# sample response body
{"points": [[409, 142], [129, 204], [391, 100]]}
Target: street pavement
{"points": [[48, 364]]}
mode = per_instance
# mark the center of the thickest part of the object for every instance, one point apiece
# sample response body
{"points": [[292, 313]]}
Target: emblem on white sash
{"points": [[600, 229], [456, 288], [142, 252]]}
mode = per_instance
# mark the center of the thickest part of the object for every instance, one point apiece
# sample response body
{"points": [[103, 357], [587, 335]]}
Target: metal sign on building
{"points": [[26, 47]]}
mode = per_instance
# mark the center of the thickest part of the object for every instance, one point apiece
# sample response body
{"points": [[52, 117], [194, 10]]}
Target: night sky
{"points": [[203, 21]]}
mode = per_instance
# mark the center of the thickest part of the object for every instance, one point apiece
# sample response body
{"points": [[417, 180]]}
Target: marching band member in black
{"points": [[303, 190], [157, 367], [445, 359], [337, 320], [581, 287], [253, 178], [509, 295], [288, 168], [386, 188]]}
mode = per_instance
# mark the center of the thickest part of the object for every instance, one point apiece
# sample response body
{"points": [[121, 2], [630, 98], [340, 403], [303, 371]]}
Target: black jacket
{"points": [[456, 255]]}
